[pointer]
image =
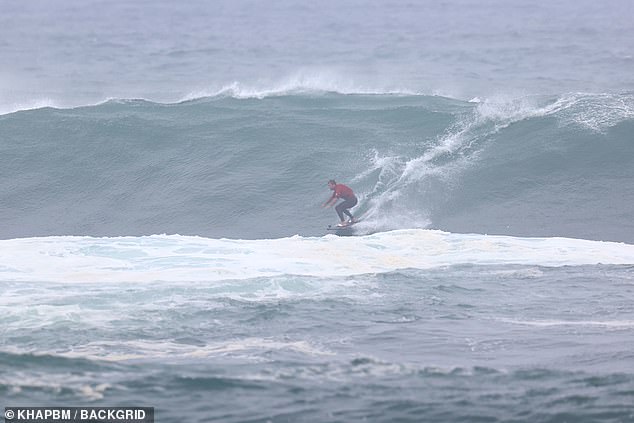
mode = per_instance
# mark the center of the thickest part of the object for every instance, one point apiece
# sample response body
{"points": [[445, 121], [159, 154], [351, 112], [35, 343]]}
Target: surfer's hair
{"points": [[332, 181]]}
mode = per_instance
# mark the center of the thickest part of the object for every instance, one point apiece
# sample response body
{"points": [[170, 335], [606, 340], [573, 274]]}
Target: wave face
{"points": [[257, 167]]}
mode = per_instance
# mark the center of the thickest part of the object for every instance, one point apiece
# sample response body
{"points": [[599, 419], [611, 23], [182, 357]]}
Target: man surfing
{"points": [[349, 201]]}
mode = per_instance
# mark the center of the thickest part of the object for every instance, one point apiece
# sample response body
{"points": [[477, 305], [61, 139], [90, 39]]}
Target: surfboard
{"points": [[342, 228]]}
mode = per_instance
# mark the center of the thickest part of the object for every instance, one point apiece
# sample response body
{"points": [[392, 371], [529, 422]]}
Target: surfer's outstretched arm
{"points": [[330, 201]]}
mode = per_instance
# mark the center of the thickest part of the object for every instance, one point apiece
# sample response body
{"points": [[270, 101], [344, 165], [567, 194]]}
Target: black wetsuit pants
{"points": [[343, 207]]}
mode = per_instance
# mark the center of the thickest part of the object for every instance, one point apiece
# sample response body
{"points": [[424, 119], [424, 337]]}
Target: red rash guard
{"points": [[342, 191]]}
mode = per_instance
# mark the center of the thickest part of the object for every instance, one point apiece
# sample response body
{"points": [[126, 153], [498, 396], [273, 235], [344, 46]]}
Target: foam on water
{"points": [[303, 81], [181, 258], [248, 348], [596, 111], [607, 324]]}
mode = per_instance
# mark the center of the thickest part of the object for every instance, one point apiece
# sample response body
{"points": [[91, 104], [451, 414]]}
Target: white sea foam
{"points": [[181, 258], [592, 111], [82, 384], [303, 81], [145, 349], [597, 111], [28, 105], [608, 324]]}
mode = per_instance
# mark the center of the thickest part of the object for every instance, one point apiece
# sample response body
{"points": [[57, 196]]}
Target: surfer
{"points": [[349, 201]]}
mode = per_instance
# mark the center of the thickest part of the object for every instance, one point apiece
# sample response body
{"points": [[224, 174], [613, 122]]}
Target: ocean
{"points": [[163, 244]]}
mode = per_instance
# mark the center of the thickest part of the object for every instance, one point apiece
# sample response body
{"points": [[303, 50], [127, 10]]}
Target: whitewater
{"points": [[182, 259], [163, 242]]}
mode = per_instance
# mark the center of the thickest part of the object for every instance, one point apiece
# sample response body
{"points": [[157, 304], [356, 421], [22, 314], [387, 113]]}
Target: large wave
{"points": [[256, 167]]}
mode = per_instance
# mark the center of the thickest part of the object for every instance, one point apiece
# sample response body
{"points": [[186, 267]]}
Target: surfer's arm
{"points": [[331, 200]]}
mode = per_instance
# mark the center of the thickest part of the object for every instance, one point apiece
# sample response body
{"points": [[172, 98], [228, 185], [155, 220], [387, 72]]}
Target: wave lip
{"points": [[180, 258], [303, 82]]}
